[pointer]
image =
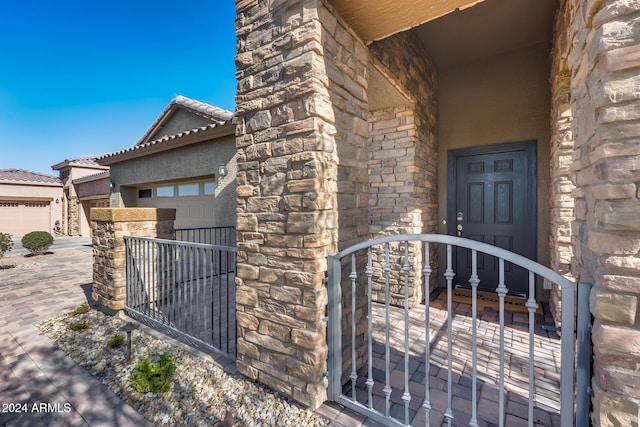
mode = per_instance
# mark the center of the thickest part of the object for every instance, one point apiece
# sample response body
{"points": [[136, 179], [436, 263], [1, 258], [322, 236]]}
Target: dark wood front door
{"points": [[492, 199]]}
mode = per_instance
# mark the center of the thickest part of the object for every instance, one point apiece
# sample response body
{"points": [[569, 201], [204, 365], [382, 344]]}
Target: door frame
{"points": [[530, 149]]}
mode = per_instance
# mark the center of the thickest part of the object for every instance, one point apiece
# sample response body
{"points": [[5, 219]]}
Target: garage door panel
{"points": [[20, 218]]}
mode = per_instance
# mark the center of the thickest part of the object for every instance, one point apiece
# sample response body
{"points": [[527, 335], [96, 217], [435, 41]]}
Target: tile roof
{"points": [[202, 108], [213, 113], [86, 161], [93, 177], [164, 140], [22, 176]]}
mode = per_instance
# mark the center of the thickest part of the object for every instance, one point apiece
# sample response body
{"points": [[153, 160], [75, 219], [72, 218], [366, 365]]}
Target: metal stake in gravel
{"points": [[128, 328]]}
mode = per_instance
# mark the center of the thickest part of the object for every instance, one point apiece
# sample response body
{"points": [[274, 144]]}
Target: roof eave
{"points": [[192, 138]]}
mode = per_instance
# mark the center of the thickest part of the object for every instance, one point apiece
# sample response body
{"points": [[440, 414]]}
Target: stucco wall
{"points": [[180, 121], [194, 161], [499, 100]]}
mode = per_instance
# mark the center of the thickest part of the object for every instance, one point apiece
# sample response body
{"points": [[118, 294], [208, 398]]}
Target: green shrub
{"points": [[81, 309], [37, 242], [79, 326], [5, 243], [116, 341], [153, 375]]}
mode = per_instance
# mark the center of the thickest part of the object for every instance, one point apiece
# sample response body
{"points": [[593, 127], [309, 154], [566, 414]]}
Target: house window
{"points": [[209, 188], [188, 190], [144, 193], [164, 191]]}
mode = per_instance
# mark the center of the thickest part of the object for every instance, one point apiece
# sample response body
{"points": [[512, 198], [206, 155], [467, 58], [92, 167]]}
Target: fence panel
{"points": [[221, 236], [185, 288]]}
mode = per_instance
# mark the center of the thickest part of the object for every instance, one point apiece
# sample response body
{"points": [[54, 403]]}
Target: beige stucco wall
{"points": [[499, 100], [191, 162]]}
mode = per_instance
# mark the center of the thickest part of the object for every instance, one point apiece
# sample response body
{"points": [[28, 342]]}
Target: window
{"points": [[9, 204], [164, 191], [188, 190], [36, 205], [144, 193], [209, 188]]}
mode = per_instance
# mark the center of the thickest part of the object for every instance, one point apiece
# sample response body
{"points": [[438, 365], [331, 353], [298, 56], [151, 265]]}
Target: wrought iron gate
{"points": [[185, 288], [376, 350]]}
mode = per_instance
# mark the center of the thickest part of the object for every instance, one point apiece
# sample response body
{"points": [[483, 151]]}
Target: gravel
{"points": [[201, 392]]}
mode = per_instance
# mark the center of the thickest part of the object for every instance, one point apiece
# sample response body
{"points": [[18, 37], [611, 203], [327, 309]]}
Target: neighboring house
{"points": [[29, 201], [177, 164], [86, 185], [512, 122]]}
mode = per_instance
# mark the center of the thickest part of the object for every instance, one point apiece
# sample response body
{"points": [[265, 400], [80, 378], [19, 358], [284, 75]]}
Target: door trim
{"points": [[529, 147]]}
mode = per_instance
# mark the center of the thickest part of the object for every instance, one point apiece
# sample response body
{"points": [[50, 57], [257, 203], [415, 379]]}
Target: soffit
{"points": [[489, 29], [377, 19]]}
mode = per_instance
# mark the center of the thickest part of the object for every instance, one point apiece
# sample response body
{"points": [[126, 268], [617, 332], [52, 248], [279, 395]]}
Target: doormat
{"points": [[490, 299]]}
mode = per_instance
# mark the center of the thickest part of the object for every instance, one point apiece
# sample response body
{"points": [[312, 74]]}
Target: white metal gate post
{"points": [[334, 335]]}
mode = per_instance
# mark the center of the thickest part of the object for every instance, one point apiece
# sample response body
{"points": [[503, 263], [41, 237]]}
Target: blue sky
{"points": [[82, 77]]}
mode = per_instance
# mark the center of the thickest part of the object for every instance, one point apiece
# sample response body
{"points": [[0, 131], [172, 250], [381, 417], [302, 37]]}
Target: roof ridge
{"points": [[194, 106]]}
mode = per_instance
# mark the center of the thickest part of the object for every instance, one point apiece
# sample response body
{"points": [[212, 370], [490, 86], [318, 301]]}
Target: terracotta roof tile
{"points": [[163, 140], [22, 176]]}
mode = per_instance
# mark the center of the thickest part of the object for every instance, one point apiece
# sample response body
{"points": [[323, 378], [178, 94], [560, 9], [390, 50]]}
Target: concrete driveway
{"points": [[59, 242]]}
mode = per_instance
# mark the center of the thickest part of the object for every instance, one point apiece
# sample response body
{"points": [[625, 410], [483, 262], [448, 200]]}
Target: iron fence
{"points": [[376, 351], [222, 236], [186, 288]]}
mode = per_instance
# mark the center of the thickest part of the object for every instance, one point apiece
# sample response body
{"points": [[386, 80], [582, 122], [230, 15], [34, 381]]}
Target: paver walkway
{"points": [[35, 372], [39, 384]]}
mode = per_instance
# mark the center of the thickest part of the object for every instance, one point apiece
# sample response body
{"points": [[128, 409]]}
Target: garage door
{"points": [[20, 218]]}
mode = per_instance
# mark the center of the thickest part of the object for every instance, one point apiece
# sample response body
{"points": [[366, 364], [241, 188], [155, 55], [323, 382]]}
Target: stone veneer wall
{"points": [[403, 163], [605, 86], [108, 228], [74, 216], [287, 194], [561, 153]]}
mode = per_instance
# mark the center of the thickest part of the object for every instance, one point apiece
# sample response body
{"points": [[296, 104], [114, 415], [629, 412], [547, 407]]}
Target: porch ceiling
{"points": [[393, 16], [452, 31]]}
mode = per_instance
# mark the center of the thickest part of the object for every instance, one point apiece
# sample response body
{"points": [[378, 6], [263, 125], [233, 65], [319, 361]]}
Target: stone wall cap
{"points": [[132, 214]]}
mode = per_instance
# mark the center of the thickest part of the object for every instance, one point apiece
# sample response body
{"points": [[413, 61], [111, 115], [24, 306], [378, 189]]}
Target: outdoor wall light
{"points": [[222, 170], [112, 185]]}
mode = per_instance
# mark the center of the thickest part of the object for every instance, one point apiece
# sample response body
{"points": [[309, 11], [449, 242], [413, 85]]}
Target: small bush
{"points": [[37, 242], [81, 309], [153, 375], [79, 326], [116, 341], [5, 243]]}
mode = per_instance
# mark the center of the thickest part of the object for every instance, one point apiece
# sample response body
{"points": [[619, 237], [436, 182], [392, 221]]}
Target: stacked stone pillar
{"points": [[287, 204], [561, 200], [605, 87], [109, 226]]}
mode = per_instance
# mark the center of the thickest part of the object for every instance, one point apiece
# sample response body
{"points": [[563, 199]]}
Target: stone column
{"points": [[74, 206], [561, 156], [108, 228], [287, 218], [605, 86]]}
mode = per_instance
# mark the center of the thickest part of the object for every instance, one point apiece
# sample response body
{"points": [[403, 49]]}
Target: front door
{"points": [[492, 199]]}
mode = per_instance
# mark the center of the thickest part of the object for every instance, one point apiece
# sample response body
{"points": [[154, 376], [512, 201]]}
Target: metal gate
{"points": [[403, 366], [184, 288]]}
